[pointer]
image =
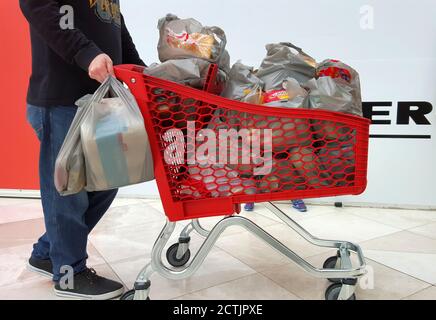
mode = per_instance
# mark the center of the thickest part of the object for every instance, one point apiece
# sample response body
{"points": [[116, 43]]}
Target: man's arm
{"points": [[130, 54], [72, 45]]}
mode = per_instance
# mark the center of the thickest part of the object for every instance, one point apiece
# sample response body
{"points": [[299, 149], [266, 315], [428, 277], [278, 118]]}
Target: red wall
{"points": [[18, 145]]}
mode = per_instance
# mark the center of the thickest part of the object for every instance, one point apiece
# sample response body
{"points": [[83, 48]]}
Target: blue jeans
{"points": [[68, 220]]}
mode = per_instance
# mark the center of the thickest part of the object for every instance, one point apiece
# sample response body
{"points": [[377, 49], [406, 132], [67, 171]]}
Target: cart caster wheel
{"points": [[172, 256], [330, 263], [129, 295], [332, 293]]}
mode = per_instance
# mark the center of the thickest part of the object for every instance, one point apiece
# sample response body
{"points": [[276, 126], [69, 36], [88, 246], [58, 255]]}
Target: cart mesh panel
{"points": [[247, 153]]}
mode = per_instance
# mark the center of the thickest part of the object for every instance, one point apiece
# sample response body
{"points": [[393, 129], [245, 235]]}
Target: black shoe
{"points": [[42, 267], [89, 286]]}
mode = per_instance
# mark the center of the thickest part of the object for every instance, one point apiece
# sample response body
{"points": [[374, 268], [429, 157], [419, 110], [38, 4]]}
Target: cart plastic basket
{"points": [[273, 153]]}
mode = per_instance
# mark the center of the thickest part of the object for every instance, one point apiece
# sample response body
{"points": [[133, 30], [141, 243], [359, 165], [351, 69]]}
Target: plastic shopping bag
{"points": [[69, 176], [328, 94], [345, 76], [283, 61], [115, 143], [191, 72], [243, 85], [188, 38]]}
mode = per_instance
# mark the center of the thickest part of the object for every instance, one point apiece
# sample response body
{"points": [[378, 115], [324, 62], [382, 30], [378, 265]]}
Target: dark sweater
{"points": [[61, 56]]}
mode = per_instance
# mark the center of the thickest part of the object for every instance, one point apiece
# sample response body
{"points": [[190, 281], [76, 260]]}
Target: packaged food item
{"points": [[292, 95], [283, 61], [200, 45], [188, 38]]}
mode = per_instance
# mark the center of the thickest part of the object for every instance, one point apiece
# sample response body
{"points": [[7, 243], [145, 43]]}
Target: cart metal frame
{"points": [[344, 269]]}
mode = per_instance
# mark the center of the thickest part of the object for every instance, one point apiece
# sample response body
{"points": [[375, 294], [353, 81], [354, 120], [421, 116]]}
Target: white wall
{"points": [[396, 60]]}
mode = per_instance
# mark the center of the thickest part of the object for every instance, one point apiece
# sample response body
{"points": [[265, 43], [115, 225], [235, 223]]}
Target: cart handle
{"points": [[127, 72]]}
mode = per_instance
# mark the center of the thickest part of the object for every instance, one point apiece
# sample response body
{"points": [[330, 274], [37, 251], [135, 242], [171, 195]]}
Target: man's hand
{"points": [[101, 67]]}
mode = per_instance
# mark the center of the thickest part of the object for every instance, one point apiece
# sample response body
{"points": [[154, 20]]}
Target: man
{"points": [[75, 44]]}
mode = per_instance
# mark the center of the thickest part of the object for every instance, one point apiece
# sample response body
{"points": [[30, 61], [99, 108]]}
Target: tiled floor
{"points": [[400, 246]]}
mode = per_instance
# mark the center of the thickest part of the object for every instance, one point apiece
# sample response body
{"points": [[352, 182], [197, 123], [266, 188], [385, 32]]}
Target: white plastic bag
{"points": [[107, 146], [69, 173], [115, 142]]}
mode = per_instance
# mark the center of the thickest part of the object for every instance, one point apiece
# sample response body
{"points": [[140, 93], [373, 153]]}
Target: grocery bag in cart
{"points": [[283, 61], [188, 38]]}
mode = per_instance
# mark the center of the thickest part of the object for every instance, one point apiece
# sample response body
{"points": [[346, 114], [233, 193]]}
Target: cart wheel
{"points": [[330, 263], [172, 256], [130, 295], [333, 292]]}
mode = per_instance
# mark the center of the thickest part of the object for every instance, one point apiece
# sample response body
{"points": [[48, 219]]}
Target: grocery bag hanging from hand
{"points": [[70, 177], [107, 146], [115, 143]]}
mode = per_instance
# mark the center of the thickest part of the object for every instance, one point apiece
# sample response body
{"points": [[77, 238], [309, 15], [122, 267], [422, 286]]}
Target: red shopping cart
{"points": [[212, 154]]}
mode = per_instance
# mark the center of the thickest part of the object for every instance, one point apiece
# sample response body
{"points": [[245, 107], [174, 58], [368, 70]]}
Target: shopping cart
{"points": [[263, 154]]}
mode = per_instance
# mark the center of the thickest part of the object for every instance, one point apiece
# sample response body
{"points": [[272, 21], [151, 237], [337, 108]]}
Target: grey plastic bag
{"points": [[188, 38], [115, 143], [76, 163], [69, 176], [243, 85], [344, 75], [191, 72], [328, 94], [283, 61]]}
